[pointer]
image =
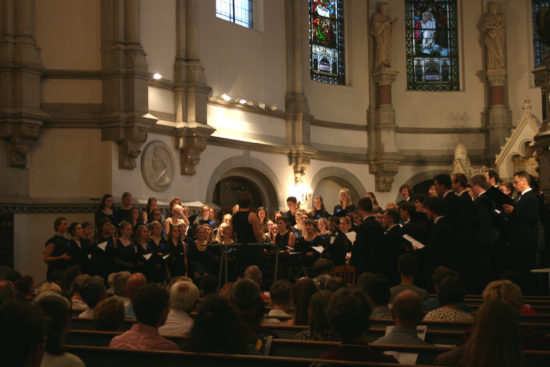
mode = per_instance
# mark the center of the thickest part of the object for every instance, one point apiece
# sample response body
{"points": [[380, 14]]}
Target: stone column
{"points": [[20, 71], [498, 113], [542, 139], [298, 118], [125, 79], [386, 156], [191, 91]]}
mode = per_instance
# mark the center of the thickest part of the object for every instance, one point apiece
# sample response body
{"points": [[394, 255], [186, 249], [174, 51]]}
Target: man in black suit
{"points": [[369, 241], [484, 234], [523, 222], [443, 186], [406, 194], [395, 245], [414, 223]]}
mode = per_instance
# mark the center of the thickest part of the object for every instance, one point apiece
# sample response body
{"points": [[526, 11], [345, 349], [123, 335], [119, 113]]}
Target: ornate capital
{"points": [[300, 159], [496, 77], [384, 76], [20, 137], [385, 168], [191, 141], [129, 139]]}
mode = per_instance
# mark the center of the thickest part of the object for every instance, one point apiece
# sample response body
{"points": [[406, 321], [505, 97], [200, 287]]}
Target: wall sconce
{"points": [[302, 193]]}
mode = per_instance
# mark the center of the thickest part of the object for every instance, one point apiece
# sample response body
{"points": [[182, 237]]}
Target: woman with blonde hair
{"points": [[345, 205]]}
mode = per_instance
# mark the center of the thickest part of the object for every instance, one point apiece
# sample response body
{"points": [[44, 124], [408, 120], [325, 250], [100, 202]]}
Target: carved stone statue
{"points": [[382, 26], [494, 28]]}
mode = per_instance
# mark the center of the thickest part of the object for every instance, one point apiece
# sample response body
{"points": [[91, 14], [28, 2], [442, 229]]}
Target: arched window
{"points": [[432, 45], [240, 12], [326, 41], [539, 49]]}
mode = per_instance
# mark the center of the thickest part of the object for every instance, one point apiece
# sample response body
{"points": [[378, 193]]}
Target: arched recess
{"points": [[421, 179], [253, 170], [332, 179]]}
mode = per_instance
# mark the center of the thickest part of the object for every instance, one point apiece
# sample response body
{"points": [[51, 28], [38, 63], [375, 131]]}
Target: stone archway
{"points": [[251, 170], [329, 180], [420, 183]]}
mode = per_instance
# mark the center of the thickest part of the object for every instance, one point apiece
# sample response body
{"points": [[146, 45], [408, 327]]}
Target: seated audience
{"points": [[57, 310], [348, 313], [24, 288], [245, 299], [377, 287], [217, 329], [76, 292], [183, 297], [49, 287], [135, 282], [406, 314], [322, 269], [253, 272], [22, 331], [93, 291], [109, 314], [208, 285], [451, 294], [120, 286], [407, 268], [302, 291], [440, 273], [7, 291], [281, 301], [319, 327], [151, 306], [494, 342]]}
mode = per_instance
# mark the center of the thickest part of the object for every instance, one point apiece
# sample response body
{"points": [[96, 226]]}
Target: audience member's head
{"points": [[217, 328], [407, 265], [348, 313], [505, 291], [208, 285], [245, 295], [120, 283], [135, 283], [7, 291], [317, 312], [440, 273], [253, 272], [184, 295], [451, 291], [13, 276], [407, 309], [24, 287], [151, 305], [77, 284], [49, 287], [323, 266], [109, 314], [302, 291], [335, 283], [280, 293], [57, 309], [322, 281], [376, 286], [93, 291], [22, 329]]}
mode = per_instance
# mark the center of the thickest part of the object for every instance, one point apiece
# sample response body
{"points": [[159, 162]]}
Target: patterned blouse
{"points": [[448, 314]]}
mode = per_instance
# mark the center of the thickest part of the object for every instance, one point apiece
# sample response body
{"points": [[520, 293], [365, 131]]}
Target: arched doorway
{"points": [[227, 190], [328, 188]]}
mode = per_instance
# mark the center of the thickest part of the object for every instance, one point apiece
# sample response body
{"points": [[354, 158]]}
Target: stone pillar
{"points": [[498, 114], [125, 79], [298, 118], [386, 157], [542, 139], [191, 91], [20, 71]]}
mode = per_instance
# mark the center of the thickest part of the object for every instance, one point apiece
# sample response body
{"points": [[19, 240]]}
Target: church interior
{"points": [[202, 99]]}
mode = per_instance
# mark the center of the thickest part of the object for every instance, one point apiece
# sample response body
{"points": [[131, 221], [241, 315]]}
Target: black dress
{"points": [[125, 257], [246, 254], [319, 214], [62, 246], [177, 261], [102, 260], [305, 247], [341, 212], [80, 255]]}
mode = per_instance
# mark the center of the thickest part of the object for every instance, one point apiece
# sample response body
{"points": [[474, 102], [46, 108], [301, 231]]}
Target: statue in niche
{"points": [[382, 26], [494, 29]]}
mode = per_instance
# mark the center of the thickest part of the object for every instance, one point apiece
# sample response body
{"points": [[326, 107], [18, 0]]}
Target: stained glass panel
{"points": [[326, 40], [540, 50], [432, 45]]}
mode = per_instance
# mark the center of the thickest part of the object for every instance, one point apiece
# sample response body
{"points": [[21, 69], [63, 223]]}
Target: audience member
{"points": [[76, 292], [451, 294], [57, 309], [134, 284], [377, 287], [109, 314], [120, 287], [183, 297], [93, 291], [7, 291], [407, 269], [24, 288], [151, 306], [319, 327], [253, 272], [406, 314], [49, 287], [281, 299], [302, 291], [348, 313], [208, 285]]}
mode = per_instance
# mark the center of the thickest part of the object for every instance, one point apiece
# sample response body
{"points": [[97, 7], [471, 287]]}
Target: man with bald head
{"points": [[135, 282], [406, 314]]}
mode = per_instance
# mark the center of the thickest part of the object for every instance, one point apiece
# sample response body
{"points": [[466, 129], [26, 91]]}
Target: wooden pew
{"points": [[106, 357], [103, 338], [88, 323]]}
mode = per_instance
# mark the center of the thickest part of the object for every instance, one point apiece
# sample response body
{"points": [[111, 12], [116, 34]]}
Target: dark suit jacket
{"points": [[395, 245], [451, 208], [440, 247], [484, 234], [369, 242], [524, 223]]}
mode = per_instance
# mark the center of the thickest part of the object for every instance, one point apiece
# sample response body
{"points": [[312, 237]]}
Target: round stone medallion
{"points": [[157, 166]]}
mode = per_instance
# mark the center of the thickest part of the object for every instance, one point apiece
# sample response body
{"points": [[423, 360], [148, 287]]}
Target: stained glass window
{"points": [[540, 49], [432, 45], [236, 11], [326, 40]]}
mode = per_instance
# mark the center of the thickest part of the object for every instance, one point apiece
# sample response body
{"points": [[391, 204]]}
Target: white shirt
{"points": [[63, 360], [178, 322]]}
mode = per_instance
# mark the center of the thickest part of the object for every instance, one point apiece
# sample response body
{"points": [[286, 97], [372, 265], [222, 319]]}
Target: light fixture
{"points": [[157, 76], [302, 192], [242, 101], [226, 97]]}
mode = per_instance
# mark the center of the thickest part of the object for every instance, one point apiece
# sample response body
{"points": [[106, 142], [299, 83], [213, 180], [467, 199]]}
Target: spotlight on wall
{"points": [[157, 76], [226, 97], [302, 193], [242, 101]]}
